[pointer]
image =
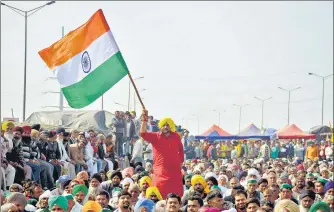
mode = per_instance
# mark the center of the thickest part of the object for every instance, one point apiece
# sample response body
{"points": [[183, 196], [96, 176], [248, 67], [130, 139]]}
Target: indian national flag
{"points": [[86, 62]]}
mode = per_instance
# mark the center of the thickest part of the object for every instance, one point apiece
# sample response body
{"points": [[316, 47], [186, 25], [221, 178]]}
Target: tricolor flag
{"points": [[87, 61]]}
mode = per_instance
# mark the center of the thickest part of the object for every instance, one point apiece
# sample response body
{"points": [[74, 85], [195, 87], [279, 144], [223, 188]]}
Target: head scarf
{"points": [[116, 173], [127, 180], [98, 177], [34, 132], [83, 175], [210, 174], [199, 179], [148, 204], [7, 124], [170, 122], [79, 188], [145, 179], [61, 201], [46, 194], [319, 206], [328, 185], [307, 193], [153, 190], [288, 204], [128, 172], [26, 129], [91, 206]]}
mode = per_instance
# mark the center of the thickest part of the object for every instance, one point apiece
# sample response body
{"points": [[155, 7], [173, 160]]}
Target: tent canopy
{"points": [[80, 120], [251, 130], [215, 131], [270, 132], [321, 131], [293, 132]]}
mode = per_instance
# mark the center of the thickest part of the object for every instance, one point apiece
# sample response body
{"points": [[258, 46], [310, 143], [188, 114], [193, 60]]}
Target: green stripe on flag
{"points": [[96, 83]]}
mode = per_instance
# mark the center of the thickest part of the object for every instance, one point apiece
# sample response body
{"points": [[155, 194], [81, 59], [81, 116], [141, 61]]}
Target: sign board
{"points": [[11, 119]]}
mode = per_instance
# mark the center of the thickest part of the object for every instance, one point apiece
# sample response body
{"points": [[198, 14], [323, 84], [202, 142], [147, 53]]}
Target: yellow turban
{"points": [[145, 179], [34, 132], [288, 204], [199, 179], [7, 124], [153, 190], [169, 121], [91, 206]]}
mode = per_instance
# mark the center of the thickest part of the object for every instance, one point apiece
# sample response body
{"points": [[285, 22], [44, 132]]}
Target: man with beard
{"points": [[95, 185], [46, 168], [168, 155], [300, 184], [114, 183], [240, 201], [73, 206], [152, 193], [124, 202], [307, 198], [144, 183], [199, 185], [79, 193], [43, 201], [103, 199], [30, 156], [15, 157], [65, 160], [286, 193]]}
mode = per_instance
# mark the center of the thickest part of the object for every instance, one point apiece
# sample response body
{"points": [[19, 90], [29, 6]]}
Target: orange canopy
{"points": [[293, 132], [215, 131]]}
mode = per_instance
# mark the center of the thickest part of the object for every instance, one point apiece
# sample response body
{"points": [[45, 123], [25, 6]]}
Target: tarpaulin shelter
{"points": [[321, 132], [252, 132], [80, 120], [215, 132], [293, 132]]}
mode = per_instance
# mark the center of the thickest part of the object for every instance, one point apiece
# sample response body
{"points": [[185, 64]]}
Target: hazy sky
{"points": [[194, 56]]}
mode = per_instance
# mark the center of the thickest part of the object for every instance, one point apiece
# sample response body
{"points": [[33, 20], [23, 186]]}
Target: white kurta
{"points": [[89, 158]]}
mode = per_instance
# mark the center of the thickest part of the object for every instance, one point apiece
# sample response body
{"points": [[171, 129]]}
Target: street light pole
{"points": [[323, 94], [262, 100], [26, 14], [289, 91], [240, 107]]}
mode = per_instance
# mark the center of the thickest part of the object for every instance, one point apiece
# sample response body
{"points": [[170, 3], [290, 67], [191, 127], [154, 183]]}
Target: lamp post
{"points": [[218, 116], [197, 123], [26, 14], [289, 99], [262, 100], [240, 107], [130, 90], [323, 93]]}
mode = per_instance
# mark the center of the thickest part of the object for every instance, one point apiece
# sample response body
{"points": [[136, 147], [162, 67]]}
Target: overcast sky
{"points": [[194, 56]]}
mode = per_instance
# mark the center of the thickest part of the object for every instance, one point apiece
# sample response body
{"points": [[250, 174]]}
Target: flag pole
{"points": [[136, 90]]}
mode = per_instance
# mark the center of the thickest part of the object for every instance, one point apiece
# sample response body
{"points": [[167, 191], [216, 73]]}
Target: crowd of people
{"points": [[136, 166]]}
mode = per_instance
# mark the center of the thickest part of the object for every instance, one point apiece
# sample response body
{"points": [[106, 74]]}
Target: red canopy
{"points": [[293, 132], [215, 131]]}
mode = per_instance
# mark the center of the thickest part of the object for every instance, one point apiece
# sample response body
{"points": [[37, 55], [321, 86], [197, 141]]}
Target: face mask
{"points": [[16, 137]]}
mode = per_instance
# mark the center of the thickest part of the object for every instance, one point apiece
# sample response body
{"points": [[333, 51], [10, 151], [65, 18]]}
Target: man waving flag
{"points": [[87, 61]]}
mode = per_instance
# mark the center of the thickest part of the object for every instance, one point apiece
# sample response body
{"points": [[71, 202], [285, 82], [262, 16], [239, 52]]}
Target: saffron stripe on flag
{"points": [[76, 41]]}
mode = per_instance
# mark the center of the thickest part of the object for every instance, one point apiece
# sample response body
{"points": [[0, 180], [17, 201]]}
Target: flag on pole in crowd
{"points": [[86, 62]]}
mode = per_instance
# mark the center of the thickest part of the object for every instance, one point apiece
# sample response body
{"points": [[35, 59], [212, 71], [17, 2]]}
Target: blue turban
{"points": [[148, 204]]}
